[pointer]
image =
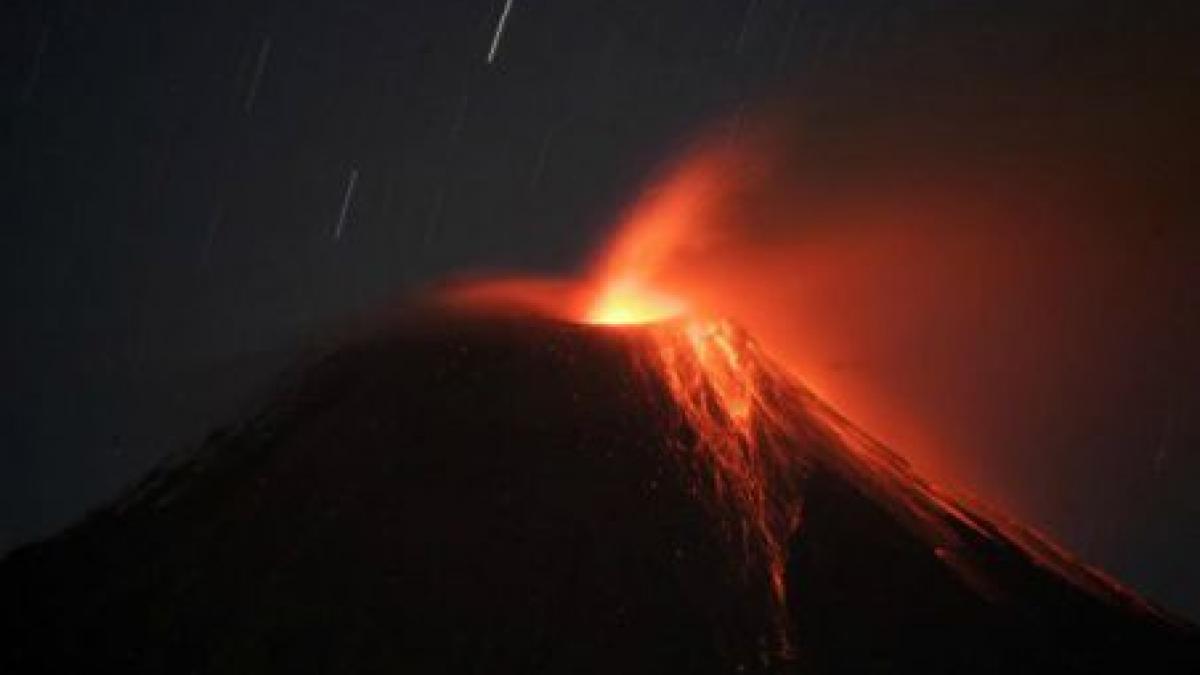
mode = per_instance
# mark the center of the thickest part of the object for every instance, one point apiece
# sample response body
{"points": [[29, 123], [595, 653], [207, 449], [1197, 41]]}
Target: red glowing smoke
{"points": [[972, 301]]}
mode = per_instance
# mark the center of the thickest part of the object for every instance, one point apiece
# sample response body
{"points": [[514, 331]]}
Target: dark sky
{"points": [[192, 189]]}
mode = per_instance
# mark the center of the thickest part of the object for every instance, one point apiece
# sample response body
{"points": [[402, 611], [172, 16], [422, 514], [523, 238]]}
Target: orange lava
{"points": [[627, 300], [727, 397]]}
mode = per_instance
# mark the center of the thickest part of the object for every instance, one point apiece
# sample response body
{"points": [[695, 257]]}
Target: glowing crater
{"points": [[628, 301]]}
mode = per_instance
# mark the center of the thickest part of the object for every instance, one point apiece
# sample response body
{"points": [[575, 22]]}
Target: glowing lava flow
{"points": [[733, 429], [717, 379]]}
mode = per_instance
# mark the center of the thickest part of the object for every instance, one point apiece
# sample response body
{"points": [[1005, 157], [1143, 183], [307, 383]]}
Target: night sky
{"points": [[195, 190]]}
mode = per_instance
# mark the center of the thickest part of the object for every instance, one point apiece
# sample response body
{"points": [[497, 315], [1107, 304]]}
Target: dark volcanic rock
{"points": [[493, 494]]}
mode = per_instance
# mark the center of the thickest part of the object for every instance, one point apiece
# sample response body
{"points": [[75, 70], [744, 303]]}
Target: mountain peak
{"points": [[466, 490]]}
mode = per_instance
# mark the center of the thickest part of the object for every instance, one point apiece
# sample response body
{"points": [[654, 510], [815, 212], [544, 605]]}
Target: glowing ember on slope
{"points": [[722, 387]]}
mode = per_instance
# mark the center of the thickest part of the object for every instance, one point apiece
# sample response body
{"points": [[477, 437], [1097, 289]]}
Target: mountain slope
{"points": [[462, 492]]}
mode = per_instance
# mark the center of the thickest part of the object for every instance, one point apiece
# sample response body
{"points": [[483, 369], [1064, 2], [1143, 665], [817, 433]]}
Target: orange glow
{"points": [[714, 373], [626, 301], [727, 395], [748, 430], [627, 278]]}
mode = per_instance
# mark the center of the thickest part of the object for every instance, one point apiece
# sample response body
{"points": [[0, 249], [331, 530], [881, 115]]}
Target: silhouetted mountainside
{"points": [[504, 493]]}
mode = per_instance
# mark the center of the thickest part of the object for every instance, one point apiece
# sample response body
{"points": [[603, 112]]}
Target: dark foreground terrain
{"points": [[492, 494]]}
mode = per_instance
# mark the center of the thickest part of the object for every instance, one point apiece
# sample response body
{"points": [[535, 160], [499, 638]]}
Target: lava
{"points": [[627, 301], [729, 405]]}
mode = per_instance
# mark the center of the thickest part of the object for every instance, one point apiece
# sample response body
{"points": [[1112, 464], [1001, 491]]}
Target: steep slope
{"points": [[501, 492]]}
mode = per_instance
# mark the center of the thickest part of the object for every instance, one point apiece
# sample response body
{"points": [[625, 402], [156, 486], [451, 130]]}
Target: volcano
{"points": [[501, 491]]}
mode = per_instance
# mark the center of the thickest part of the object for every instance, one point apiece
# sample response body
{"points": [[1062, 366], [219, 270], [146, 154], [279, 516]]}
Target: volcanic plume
{"points": [[556, 476], [754, 435]]}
